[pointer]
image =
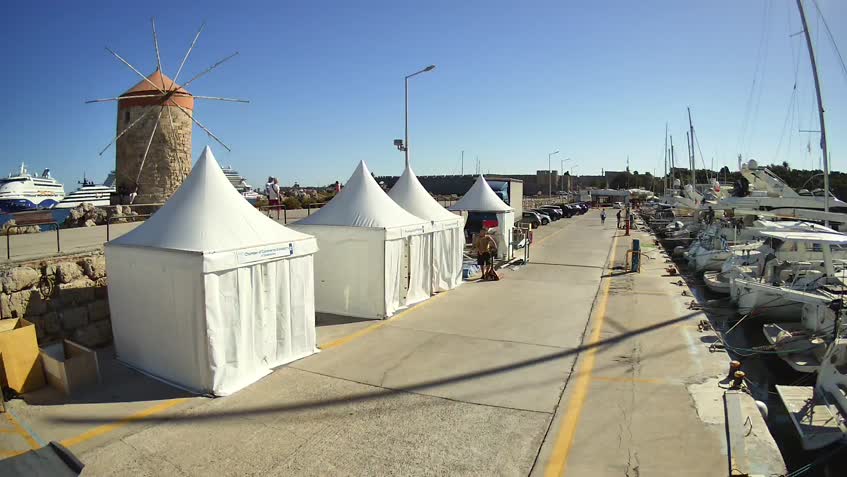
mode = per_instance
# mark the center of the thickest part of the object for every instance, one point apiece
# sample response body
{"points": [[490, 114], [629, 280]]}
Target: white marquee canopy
{"points": [[481, 198], [375, 256], [448, 234], [209, 294]]}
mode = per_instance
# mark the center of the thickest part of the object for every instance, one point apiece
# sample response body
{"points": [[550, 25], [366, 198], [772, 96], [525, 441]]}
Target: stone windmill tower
{"points": [[154, 125]]}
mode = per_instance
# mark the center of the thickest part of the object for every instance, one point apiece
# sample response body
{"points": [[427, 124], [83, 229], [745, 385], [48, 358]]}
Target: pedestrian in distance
{"points": [[486, 249], [618, 215], [277, 191], [272, 198], [602, 216]]}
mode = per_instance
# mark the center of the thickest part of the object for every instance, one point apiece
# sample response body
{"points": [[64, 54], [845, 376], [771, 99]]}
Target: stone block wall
{"points": [[168, 161], [64, 297]]}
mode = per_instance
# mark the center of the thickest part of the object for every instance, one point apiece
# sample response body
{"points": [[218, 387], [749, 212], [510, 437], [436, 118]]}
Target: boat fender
{"points": [[763, 409]]}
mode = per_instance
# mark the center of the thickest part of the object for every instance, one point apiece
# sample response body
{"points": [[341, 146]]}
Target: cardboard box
{"points": [[20, 369], [70, 367]]}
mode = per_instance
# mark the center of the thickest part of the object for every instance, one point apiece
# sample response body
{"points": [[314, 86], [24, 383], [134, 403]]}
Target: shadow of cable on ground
{"points": [[418, 388]]}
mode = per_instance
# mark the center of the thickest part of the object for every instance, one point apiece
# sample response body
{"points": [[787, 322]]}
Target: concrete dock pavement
{"points": [[76, 240], [647, 396], [491, 378]]}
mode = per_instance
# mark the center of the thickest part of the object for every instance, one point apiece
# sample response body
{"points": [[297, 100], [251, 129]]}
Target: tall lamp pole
{"points": [[406, 82], [550, 174]]}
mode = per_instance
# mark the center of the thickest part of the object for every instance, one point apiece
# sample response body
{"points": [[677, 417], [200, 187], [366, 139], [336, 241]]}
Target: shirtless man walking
{"points": [[486, 248]]}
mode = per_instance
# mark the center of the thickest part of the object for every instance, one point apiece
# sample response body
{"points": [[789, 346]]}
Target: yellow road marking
{"points": [[106, 428], [611, 379], [567, 429], [22, 432], [11, 453], [379, 324]]}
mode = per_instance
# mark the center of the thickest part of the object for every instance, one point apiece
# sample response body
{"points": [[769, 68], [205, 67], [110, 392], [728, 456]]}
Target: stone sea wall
{"points": [[64, 297]]}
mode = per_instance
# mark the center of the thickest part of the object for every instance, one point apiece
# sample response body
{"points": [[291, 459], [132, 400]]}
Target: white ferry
{"points": [[22, 191], [97, 194]]}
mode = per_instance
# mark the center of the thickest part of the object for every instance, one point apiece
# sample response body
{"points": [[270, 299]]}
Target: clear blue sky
{"points": [[515, 80]]}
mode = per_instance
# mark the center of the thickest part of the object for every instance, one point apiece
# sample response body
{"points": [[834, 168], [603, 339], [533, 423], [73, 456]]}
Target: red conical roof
{"points": [[179, 96], [158, 79]]}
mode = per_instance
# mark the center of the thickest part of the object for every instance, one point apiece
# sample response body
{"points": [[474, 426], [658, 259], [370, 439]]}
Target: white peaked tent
{"points": [[481, 198], [375, 257], [209, 294], [448, 241]]}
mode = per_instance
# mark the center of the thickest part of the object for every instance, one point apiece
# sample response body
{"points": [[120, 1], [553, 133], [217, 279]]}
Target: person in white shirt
{"points": [[272, 190]]}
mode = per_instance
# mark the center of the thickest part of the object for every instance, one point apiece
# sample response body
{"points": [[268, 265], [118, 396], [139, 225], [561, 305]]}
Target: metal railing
{"points": [[113, 217], [35, 219], [274, 210]]}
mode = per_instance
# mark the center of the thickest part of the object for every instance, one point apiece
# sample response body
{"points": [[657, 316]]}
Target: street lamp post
{"points": [[550, 174], [406, 82]]}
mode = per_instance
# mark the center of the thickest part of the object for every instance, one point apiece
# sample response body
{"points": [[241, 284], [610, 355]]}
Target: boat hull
{"points": [[70, 204], [716, 282], [765, 301], [20, 205]]}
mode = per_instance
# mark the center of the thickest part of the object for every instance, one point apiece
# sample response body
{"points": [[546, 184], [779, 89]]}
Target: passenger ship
{"points": [[97, 194], [22, 191], [240, 184]]}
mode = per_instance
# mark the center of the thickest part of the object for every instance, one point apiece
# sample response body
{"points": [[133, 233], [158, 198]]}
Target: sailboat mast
{"points": [[673, 164], [820, 106], [666, 160], [691, 150], [690, 168]]}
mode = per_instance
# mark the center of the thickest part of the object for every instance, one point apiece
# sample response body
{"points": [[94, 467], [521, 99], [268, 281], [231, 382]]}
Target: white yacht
{"points": [[819, 412], [22, 191], [720, 241], [89, 192], [761, 189], [801, 265]]}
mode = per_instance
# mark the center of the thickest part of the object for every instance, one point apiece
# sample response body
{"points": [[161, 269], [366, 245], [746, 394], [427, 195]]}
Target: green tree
{"points": [[292, 203]]}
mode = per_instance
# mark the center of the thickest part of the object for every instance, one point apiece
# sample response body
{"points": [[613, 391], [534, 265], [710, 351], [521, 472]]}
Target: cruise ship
{"points": [[240, 184], [22, 191], [97, 194]]}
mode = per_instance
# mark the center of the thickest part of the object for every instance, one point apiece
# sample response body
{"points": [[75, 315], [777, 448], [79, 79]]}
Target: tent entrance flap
{"points": [[406, 270]]}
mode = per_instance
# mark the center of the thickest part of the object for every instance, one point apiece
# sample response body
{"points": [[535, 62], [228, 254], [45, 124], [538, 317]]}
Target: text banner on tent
{"points": [[264, 253]]}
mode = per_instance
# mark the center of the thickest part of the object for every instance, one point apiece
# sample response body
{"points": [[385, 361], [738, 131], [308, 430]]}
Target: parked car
{"points": [[531, 218], [553, 214], [545, 219], [582, 208], [617, 205], [555, 210], [569, 210]]}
